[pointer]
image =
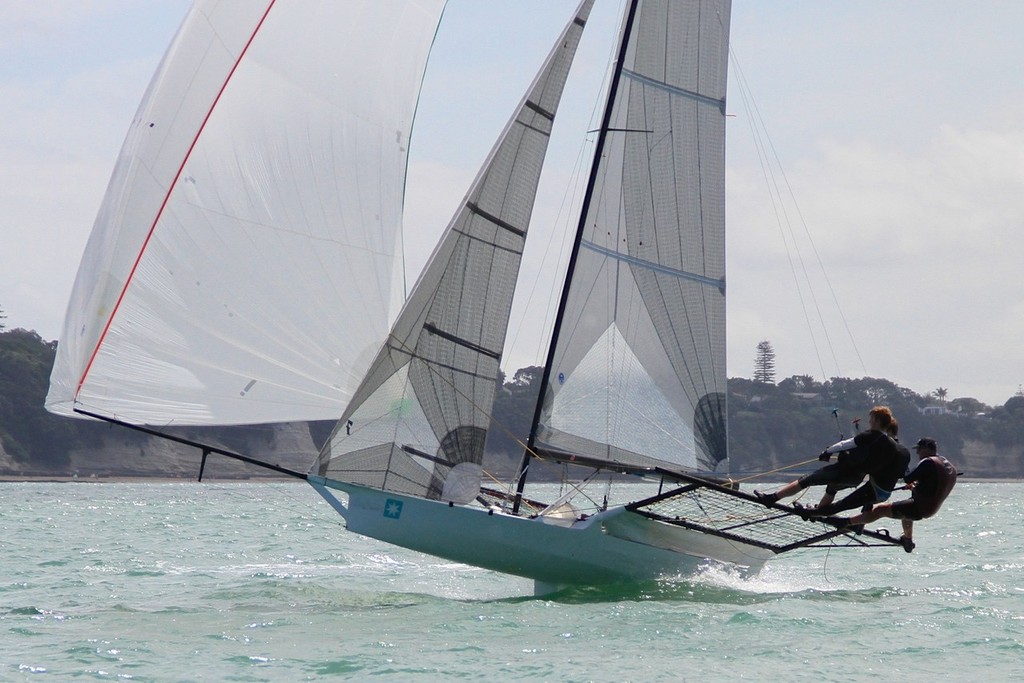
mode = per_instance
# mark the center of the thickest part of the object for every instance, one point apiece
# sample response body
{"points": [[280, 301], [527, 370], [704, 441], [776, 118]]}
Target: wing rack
{"points": [[719, 510]]}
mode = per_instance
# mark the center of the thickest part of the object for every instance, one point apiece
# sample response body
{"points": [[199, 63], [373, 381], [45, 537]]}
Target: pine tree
{"points": [[764, 363]]}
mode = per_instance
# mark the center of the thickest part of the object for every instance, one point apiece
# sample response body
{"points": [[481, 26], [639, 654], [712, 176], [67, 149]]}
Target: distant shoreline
{"points": [[56, 479]]}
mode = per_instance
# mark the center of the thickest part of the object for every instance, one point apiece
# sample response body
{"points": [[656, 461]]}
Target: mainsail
{"points": [[637, 374], [243, 267], [422, 413]]}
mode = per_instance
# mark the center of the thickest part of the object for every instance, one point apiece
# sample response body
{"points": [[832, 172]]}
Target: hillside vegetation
{"points": [[770, 426]]}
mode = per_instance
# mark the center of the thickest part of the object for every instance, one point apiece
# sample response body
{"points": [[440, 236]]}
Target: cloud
{"points": [[897, 125], [66, 100], [921, 244]]}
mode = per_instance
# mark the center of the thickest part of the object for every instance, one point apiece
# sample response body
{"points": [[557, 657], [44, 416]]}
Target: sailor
{"points": [[867, 453], [879, 486], [930, 483]]}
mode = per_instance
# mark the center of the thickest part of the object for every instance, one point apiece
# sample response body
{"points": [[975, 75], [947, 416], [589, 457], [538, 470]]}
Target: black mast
{"points": [[602, 134]]}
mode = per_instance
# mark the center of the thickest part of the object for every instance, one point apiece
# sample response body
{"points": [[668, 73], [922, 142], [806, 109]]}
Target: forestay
{"points": [[242, 267], [637, 375], [417, 424]]}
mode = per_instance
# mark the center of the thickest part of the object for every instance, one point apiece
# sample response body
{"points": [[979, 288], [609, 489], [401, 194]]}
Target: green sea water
{"points": [[260, 582]]}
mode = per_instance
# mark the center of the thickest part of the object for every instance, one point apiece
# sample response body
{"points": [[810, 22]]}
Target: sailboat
{"points": [[245, 267]]}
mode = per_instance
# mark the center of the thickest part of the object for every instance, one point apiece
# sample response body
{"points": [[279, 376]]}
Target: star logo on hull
{"points": [[393, 508]]}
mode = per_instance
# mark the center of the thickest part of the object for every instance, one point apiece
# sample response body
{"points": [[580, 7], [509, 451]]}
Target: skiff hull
{"points": [[612, 546]]}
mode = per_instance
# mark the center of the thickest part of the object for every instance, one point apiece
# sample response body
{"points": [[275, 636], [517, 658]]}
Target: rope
{"points": [[777, 469]]}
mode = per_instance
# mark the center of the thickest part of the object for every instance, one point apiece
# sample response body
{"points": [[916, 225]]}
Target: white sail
{"points": [[637, 376], [242, 267], [425, 406]]}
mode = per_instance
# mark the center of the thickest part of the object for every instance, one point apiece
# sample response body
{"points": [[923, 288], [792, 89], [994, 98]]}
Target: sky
{"points": [[894, 132]]}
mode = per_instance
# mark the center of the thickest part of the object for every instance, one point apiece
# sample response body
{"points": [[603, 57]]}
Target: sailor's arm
{"points": [[844, 445], [837, 447]]}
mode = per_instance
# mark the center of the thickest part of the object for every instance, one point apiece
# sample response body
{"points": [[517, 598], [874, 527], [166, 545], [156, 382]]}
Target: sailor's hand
{"points": [[825, 456]]}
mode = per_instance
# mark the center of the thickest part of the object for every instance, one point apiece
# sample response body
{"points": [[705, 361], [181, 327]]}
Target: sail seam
{"points": [[167, 197], [490, 243], [674, 90], [656, 267], [448, 366], [535, 129], [415, 356]]}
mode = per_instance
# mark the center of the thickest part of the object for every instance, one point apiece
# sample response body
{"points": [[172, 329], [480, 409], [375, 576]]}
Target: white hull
{"points": [[613, 546]]}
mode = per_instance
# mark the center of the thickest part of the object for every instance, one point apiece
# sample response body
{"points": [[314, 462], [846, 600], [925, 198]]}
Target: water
{"points": [[260, 582]]}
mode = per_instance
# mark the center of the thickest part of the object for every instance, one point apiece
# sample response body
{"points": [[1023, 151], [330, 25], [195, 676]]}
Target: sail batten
{"points": [[667, 87], [519, 232], [537, 109], [466, 343], [654, 266]]}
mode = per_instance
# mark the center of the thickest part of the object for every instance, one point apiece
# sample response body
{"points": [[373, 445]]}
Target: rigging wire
{"points": [[560, 233], [781, 193], [559, 242]]}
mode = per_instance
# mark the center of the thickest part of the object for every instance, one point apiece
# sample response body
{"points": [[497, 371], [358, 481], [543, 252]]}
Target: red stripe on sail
{"points": [[167, 197]]}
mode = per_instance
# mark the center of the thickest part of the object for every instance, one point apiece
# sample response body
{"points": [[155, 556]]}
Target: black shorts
{"points": [[834, 476], [907, 509]]}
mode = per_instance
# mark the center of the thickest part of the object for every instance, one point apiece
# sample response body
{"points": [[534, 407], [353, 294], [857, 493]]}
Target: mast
{"points": [[602, 134]]}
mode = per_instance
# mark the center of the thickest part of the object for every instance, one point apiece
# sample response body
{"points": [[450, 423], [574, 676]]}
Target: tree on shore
{"points": [[764, 363]]}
